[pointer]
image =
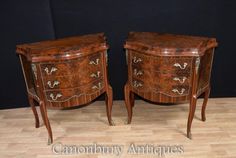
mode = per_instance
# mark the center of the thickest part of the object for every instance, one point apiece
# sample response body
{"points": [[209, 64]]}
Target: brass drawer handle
{"points": [[181, 67], [99, 86], [137, 60], [54, 98], [96, 62], [180, 81], [138, 72], [179, 92], [137, 84], [53, 69], [95, 75], [55, 83]]}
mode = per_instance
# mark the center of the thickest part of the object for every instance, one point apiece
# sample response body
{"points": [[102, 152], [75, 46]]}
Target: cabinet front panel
{"points": [[169, 76]]}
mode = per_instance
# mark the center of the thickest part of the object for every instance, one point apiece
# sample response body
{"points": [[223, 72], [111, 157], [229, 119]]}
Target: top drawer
{"points": [[71, 67], [165, 64], [143, 61], [176, 64]]}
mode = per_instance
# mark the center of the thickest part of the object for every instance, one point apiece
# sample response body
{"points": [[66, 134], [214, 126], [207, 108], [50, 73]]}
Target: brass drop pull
{"points": [[95, 75], [181, 67], [99, 86], [49, 72], [55, 83], [138, 72], [137, 60], [96, 62], [180, 80], [137, 84], [54, 98], [179, 92]]}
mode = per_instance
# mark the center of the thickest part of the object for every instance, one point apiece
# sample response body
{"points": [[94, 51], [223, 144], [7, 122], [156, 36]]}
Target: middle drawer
{"points": [[63, 95], [71, 81]]}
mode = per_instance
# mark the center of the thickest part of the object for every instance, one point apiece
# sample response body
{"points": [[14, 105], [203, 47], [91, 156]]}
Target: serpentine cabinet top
{"points": [[65, 48], [168, 44]]}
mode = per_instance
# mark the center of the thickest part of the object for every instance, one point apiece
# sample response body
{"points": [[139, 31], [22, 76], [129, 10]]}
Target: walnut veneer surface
{"points": [[65, 73], [168, 68]]}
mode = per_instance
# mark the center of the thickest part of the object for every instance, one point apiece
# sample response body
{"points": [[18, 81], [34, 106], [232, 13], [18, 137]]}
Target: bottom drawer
{"points": [[167, 86], [64, 95], [174, 90], [165, 89]]}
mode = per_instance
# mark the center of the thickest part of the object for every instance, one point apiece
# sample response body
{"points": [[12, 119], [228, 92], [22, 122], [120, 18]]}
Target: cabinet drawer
{"points": [[141, 74], [157, 87], [173, 79], [174, 90], [63, 95], [56, 68], [58, 82], [175, 65], [72, 81], [168, 84], [164, 77], [143, 61], [71, 67], [88, 73], [144, 85]]}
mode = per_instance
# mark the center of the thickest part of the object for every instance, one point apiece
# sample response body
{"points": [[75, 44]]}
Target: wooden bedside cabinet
{"points": [[65, 73], [168, 68]]}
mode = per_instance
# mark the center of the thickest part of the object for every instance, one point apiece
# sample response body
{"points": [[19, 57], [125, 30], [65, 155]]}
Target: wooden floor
{"points": [[152, 124]]}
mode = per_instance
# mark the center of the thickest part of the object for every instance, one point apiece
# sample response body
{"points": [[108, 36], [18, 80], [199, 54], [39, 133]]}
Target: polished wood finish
{"points": [[157, 125], [65, 73], [66, 48], [168, 68]]}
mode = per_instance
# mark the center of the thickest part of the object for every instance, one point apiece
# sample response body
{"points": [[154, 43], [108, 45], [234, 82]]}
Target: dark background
{"points": [[30, 21]]}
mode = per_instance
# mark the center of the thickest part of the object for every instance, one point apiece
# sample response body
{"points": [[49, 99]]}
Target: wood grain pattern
{"points": [[66, 48], [159, 44], [65, 73], [168, 69], [151, 124]]}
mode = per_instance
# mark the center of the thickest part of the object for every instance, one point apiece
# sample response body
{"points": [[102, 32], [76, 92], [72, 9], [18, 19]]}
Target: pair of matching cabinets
{"points": [[72, 71]]}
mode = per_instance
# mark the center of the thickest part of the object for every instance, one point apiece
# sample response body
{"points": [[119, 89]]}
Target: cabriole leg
{"points": [[128, 102], [192, 109], [46, 122], [109, 102], [132, 98], [32, 104], [206, 96]]}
